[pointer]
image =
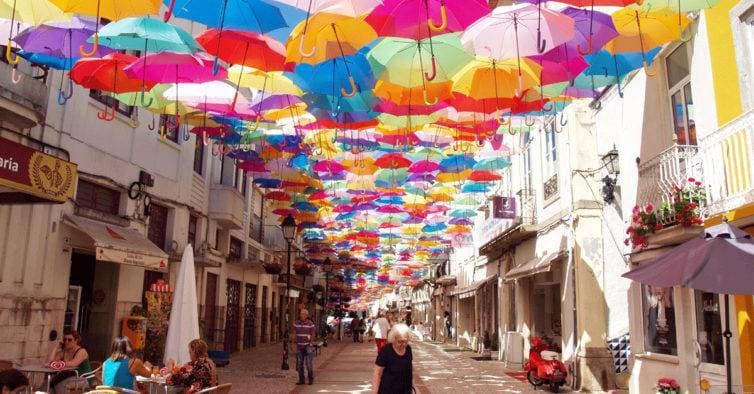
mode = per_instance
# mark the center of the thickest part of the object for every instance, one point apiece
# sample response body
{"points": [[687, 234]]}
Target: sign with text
{"points": [[503, 207], [36, 173]]}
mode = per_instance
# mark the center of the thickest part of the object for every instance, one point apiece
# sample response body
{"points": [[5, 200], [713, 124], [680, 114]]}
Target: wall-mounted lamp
{"points": [[611, 164]]}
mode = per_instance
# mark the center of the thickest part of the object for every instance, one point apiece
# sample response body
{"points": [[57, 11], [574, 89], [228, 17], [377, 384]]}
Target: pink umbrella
{"points": [[170, 67], [562, 63], [532, 30], [423, 166], [328, 166], [418, 18]]}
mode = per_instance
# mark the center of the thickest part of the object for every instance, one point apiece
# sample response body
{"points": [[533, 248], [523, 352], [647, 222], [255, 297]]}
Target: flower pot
{"points": [[272, 269]]}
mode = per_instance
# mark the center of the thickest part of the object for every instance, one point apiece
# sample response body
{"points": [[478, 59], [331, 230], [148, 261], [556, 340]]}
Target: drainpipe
{"points": [[576, 382]]}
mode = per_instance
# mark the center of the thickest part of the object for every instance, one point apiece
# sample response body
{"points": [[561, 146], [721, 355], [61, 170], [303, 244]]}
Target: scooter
{"points": [[544, 366]]}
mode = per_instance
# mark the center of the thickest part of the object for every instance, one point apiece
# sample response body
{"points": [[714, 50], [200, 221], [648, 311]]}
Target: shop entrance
{"points": [[249, 314], [94, 284], [233, 317]]}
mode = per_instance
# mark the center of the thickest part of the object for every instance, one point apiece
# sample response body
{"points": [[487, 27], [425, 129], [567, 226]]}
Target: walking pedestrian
{"points": [[355, 327], [448, 332], [305, 335], [393, 371], [380, 329]]}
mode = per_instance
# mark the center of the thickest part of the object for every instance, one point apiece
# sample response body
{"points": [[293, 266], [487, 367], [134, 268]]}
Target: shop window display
{"points": [[659, 320]]}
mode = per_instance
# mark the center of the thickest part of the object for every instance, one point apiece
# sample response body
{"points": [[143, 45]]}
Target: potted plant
{"points": [[302, 267], [668, 386], [272, 267]]}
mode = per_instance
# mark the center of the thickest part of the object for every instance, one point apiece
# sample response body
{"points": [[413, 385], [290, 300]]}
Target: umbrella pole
{"points": [[727, 335]]}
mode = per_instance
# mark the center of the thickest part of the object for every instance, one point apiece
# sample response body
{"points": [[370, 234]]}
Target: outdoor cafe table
{"points": [[158, 385], [43, 369]]}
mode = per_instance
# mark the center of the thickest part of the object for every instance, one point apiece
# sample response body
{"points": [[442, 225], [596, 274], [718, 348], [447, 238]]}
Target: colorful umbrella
{"points": [[418, 19], [255, 50], [327, 36]]}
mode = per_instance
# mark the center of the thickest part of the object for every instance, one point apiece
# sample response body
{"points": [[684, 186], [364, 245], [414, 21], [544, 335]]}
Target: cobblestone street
{"points": [[346, 367]]}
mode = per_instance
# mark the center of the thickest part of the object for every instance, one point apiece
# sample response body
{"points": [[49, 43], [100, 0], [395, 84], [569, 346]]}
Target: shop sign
{"points": [[130, 258], [36, 173], [503, 207]]}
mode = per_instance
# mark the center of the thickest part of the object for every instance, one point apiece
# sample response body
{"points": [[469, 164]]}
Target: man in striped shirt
{"points": [[305, 333]]}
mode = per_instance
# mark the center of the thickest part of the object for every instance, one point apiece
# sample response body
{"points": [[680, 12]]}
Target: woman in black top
{"points": [[393, 372]]}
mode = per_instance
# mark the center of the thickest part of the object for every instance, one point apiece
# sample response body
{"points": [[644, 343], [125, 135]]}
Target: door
{"points": [[265, 316], [249, 314], [233, 315], [709, 348], [210, 307]]}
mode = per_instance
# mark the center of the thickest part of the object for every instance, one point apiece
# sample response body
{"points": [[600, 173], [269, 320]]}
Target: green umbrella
{"points": [[491, 164], [146, 35], [407, 62], [392, 177], [467, 200]]}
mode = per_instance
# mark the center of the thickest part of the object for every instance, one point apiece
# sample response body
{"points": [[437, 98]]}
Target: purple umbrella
{"points": [[59, 39], [719, 261], [277, 101], [593, 29]]}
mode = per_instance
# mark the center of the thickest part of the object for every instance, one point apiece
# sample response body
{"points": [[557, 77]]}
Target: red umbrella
{"points": [[107, 74], [484, 176], [241, 47], [278, 196], [392, 160]]}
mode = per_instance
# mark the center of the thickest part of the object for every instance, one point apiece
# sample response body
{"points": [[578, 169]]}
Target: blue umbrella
{"points": [[250, 15], [608, 69], [331, 76], [268, 183], [475, 187], [457, 163]]}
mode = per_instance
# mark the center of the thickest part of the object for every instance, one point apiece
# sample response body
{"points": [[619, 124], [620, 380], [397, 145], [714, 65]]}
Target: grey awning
{"points": [[534, 266], [471, 290]]}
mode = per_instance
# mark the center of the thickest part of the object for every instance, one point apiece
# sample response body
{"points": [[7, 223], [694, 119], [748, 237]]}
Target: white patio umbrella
{"points": [[184, 317]]}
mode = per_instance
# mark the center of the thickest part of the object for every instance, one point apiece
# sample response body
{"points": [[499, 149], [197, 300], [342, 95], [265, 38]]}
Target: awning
{"points": [[533, 266], [120, 244], [471, 290], [447, 280]]}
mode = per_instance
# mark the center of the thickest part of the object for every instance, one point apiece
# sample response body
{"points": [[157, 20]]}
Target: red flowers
{"points": [[682, 206], [667, 386]]}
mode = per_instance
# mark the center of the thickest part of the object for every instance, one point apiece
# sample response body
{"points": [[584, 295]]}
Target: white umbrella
{"points": [[184, 317]]}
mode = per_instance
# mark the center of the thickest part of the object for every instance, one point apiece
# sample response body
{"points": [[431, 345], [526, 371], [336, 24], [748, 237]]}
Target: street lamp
{"points": [[289, 232], [610, 162], [326, 266]]}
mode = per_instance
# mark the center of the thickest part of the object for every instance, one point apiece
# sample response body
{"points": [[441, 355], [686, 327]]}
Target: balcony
{"points": [[727, 158], [659, 176], [256, 228], [498, 234], [28, 95], [273, 240], [226, 206]]}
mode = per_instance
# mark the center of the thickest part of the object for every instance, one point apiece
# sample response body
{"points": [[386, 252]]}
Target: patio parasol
{"points": [[721, 260], [184, 319]]}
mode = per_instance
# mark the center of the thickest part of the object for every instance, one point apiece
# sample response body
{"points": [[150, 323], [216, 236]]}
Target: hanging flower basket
{"points": [[668, 386], [302, 267], [272, 268]]}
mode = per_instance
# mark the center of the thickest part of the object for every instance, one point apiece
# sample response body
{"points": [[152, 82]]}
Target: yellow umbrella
{"points": [[108, 9], [440, 197], [272, 82], [360, 165], [641, 31], [487, 78], [327, 36], [447, 177]]}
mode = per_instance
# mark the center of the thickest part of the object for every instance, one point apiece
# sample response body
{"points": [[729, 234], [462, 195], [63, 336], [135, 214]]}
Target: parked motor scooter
{"points": [[544, 366]]}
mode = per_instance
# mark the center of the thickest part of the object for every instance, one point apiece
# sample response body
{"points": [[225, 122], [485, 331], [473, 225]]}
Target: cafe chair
{"points": [[82, 383], [221, 389], [111, 390]]}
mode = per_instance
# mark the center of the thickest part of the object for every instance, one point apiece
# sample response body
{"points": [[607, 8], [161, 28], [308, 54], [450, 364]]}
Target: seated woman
{"points": [[13, 381], [74, 356], [200, 373], [120, 368]]}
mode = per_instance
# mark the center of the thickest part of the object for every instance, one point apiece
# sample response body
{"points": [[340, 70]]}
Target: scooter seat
{"points": [[550, 355]]}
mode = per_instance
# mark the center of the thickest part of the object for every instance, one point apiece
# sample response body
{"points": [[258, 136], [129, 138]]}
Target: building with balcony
{"points": [[137, 191], [693, 120]]}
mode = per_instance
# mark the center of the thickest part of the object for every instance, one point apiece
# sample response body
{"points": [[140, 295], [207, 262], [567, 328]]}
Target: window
{"points": [[659, 320], [93, 196], [192, 230], [526, 158], [236, 248], [709, 333], [198, 155], [681, 100], [109, 101], [228, 171], [171, 132], [244, 180], [218, 232], [551, 151], [158, 225]]}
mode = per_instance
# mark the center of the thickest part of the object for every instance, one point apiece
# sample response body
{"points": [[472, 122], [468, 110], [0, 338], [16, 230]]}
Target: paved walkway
{"points": [[346, 367]]}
